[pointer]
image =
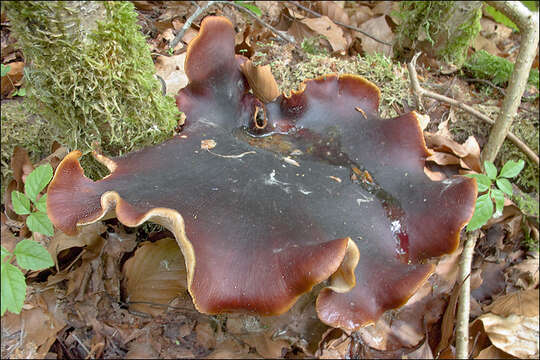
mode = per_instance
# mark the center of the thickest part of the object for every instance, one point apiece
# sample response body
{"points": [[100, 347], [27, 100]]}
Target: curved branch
{"points": [[527, 23]]}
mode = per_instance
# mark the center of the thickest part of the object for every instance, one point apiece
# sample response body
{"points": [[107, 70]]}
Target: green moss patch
{"points": [[91, 89], [484, 65], [23, 128], [391, 77]]}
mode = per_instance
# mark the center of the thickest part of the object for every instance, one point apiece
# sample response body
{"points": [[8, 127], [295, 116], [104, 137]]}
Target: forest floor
{"points": [[81, 308]]}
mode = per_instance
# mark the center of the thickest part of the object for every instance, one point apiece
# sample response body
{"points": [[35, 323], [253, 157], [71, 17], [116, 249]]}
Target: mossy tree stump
{"points": [[444, 29], [90, 76]]}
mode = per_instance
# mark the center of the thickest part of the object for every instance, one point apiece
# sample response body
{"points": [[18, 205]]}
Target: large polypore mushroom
{"points": [[268, 199]]}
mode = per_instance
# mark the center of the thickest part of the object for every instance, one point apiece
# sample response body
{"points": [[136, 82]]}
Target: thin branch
{"points": [[81, 343], [199, 10], [417, 90], [527, 22], [263, 23], [462, 317], [489, 83], [188, 23], [513, 138], [314, 13]]}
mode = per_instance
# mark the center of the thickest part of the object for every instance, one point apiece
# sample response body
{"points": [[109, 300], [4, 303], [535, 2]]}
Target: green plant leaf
{"points": [[498, 196], [41, 204], [37, 180], [491, 170], [13, 289], [482, 212], [482, 181], [504, 185], [39, 222], [5, 253], [5, 69], [251, 7], [32, 255], [20, 92], [500, 17], [512, 168], [20, 202]]}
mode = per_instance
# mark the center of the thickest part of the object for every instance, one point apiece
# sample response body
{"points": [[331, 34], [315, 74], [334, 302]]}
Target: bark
{"points": [[527, 22], [464, 278], [444, 29]]}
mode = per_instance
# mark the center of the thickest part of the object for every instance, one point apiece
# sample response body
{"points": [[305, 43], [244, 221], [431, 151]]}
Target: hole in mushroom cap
{"points": [[259, 118]]}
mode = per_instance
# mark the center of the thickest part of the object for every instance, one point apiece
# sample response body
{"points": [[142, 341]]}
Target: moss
{"points": [[97, 87], [430, 26], [20, 127], [456, 50], [312, 46], [389, 76], [484, 65]]}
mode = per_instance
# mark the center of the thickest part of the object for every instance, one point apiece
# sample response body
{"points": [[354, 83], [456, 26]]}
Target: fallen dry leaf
{"points": [[442, 158], [335, 345], [523, 303], [86, 236], [524, 275], [155, 274], [261, 80], [141, 350], [445, 144], [230, 349], [171, 70], [472, 159], [189, 35], [35, 328], [492, 281], [384, 7], [361, 15], [434, 175], [325, 27], [378, 28], [205, 334], [516, 335], [333, 11], [492, 352], [13, 77], [254, 331]]}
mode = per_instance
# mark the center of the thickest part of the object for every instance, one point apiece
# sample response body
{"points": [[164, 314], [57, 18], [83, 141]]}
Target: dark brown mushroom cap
{"points": [[264, 199]]}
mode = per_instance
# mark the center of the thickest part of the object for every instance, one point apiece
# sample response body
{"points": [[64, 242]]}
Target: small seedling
{"points": [[5, 69], [29, 254], [20, 92], [253, 8], [484, 204], [17, 92]]}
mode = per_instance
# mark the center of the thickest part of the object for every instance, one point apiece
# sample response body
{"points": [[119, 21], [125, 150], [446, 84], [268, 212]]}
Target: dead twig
{"points": [[314, 13], [263, 23], [462, 316], [199, 10], [188, 23], [489, 83], [419, 91], [527, 22], [81, 343]]}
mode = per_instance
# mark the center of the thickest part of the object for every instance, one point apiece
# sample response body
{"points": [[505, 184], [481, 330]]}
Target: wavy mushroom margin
{"points": [[69, 178]]}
